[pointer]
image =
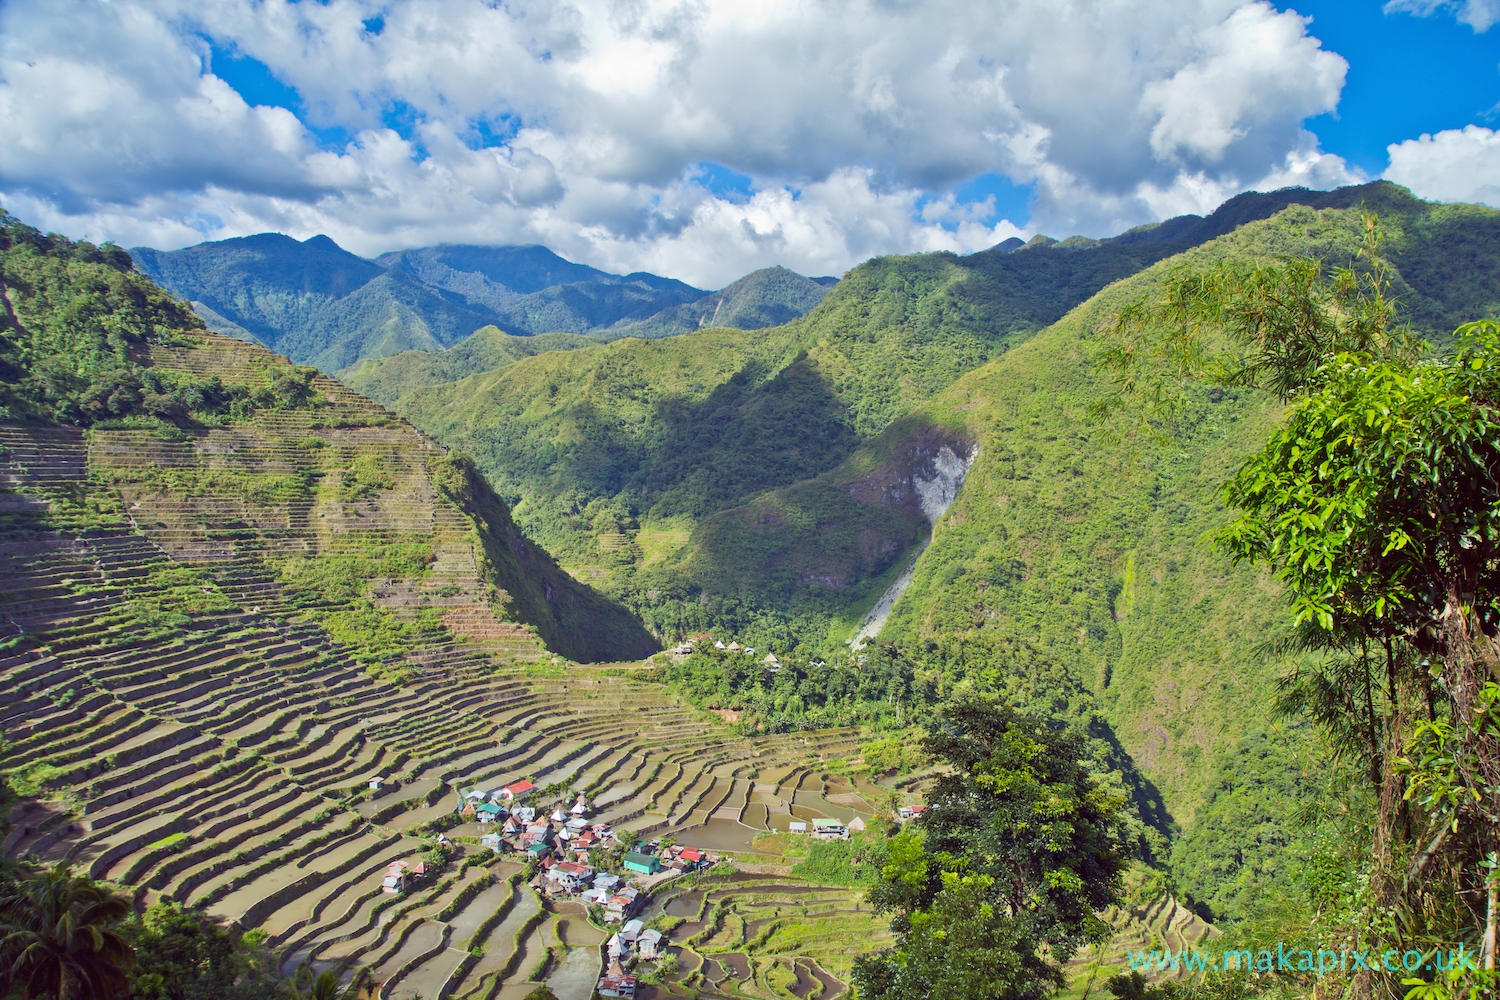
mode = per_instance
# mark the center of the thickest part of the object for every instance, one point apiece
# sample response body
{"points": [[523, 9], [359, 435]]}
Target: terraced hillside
{"points": [[193, 730], [214, 637]]}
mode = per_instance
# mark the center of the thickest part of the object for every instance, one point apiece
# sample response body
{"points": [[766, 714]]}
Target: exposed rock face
{"points": [[938, 490], [922, 476], [935, 482]]}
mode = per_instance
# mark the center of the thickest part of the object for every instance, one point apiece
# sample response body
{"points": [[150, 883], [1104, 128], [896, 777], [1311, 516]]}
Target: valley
{"points": [[356, 664]]}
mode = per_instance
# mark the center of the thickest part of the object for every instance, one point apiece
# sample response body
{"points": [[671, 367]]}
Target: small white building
{"points": [[649, 945]]}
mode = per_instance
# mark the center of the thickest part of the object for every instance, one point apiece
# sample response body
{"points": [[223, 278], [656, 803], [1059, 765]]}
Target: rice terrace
{"points": [[200, 738]]}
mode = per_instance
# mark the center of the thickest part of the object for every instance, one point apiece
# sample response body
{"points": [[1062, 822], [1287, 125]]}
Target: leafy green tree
{"points": [[1377, 502], [1000, 882], [59, 938], [183, 955]]}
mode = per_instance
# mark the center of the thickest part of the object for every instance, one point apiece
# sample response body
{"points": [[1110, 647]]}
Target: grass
{"points": [[661, 541]]}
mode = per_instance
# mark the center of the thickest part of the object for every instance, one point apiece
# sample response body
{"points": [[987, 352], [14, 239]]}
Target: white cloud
{"points": [[1477, 14], [1454, 165], [855, 118]]}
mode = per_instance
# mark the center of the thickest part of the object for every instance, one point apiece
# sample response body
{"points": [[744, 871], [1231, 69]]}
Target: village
{"points": [[568, 857]]}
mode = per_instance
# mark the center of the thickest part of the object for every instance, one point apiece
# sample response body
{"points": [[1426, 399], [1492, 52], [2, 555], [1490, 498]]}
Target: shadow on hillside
{"points": [[750, 435]]}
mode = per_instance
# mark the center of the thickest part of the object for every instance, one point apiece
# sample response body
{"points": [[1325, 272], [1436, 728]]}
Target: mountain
{"points": [[323, 306], [530, 290], [313, 301], [768, 297], [486, 349], [666, 435]]}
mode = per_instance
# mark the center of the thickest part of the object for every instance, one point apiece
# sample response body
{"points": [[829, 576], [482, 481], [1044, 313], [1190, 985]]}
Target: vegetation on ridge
{"points": [[720, 528], [73, 320]]}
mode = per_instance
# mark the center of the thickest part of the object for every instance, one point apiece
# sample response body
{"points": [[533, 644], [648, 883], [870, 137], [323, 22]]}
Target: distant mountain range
{"points": [[322, 305]]}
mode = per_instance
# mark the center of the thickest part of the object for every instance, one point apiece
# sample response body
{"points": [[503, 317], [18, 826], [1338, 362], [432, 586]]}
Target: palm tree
{"points": [[57, 938], [312, 985]]}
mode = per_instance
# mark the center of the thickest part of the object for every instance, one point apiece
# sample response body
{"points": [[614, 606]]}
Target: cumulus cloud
{"points": [[1454, 165], [582, 123]]}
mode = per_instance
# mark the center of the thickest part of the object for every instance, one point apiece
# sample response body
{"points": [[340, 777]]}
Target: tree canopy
{"points": [[1000, 881]]}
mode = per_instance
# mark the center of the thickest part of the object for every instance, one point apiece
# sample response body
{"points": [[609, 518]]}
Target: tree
{"points": [[1000, 882], [183, 955], [1378, 503], [310, 984], [60, 939]]}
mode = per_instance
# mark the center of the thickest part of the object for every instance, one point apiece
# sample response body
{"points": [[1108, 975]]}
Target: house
{"points": [[492, 841], [606, 881], [581, 807], [648, 945], [519, 789], [719, 644], [796, 826], [578, 825], [571, 872], [857, 825], [829, 829], [511, 827], [375, 782], [594, 897], [632, 930], [620, 905], [771, 659], [616, 986], [538, 833], [558, 816], [646, 864], [395, 877], [476, 795], [912, 812], [488, 813], [691, 855], [523, 814], [468, 811], [735, 647], [615, 947], [538, 851]]}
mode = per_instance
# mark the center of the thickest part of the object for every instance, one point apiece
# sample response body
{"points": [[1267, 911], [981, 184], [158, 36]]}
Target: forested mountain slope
{"points": [[312, 301], [281, 487], [324, 306], [1075, 560], [628, 460], [768, 297], [487, 349]]}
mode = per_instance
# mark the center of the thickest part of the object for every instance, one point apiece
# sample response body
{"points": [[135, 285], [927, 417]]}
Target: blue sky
{"points": [[1407, 75], [704, 141]]}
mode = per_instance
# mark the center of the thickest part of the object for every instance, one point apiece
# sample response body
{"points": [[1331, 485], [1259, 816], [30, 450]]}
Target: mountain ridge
{"points": [[322, 305]]}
